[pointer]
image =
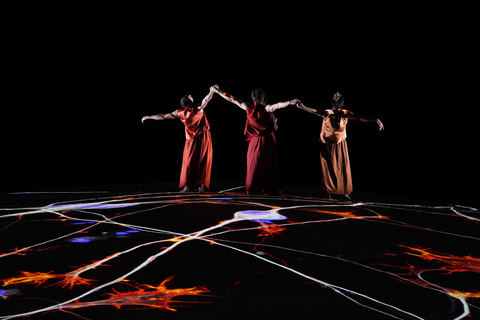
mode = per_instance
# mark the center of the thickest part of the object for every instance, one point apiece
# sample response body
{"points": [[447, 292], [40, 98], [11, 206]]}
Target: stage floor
{"points": [[227, 255]]}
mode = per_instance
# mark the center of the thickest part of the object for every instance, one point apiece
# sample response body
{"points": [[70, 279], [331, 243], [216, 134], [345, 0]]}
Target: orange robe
{"points": [[262, 160], [336, 176], [197, 153]]}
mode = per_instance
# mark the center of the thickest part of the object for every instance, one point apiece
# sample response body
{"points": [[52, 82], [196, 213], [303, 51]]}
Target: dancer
{"points": [[262, 159], [336, 175], [197, 153]]}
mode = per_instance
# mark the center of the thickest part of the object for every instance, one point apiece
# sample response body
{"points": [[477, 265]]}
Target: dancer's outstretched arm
{"points": [[280, 105], [207, 98], [230, 98], [351, 116], [167, 116], [320, 113]]}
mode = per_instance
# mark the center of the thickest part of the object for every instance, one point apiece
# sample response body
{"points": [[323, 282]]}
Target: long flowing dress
{"points": [[197, 153], [336, 176], [262, 159]]}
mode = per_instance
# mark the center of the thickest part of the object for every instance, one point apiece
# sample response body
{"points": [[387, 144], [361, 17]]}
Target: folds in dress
{"points": [[262, 165], [197, 153], [336, 176], [262, 159]]}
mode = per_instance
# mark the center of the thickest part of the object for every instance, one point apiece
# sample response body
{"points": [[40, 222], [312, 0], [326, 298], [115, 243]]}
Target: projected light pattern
{"points": [[7, 293], [259, 216], [148, 296], [141, 235]]}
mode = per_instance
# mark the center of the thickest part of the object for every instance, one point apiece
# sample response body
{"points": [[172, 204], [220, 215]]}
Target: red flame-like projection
{"points": [[270, 229], [351, 232], [453, 264], [148, 296]]}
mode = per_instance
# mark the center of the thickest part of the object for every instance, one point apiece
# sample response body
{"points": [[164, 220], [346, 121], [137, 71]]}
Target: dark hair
{"points": [[185, 102], [337, 101], [259, 96]]}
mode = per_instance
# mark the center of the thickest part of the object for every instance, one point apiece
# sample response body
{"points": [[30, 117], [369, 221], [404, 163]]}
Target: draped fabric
{"points": [[333, 127], [262, 165], [336, 176], [195, 121], [259, 121], [197, 153], [262, 159]]}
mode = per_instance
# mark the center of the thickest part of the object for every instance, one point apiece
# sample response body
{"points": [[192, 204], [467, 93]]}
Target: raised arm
{"points": [[280, 105], [207, 98], [167, 116], [320, 113], [230, 98], [351, 116]]}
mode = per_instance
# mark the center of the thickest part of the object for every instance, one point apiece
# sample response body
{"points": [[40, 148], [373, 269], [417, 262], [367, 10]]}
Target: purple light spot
{"points": [[255, 212], [80, 240], [264, 221], [84, 239]]}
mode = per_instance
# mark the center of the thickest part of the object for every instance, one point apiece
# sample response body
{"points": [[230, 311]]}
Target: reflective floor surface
{"points": [[228, 255]]}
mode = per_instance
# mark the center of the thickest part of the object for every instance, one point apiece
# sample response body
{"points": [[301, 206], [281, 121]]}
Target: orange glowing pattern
{"points": [[349, 214], [158, 297], [38, 278], [454, 263], [69, 279], [273, 255], [228, 95], [270, 229], [462, 294]]}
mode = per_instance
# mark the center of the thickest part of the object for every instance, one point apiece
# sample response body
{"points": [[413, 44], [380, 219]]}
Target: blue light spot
{"points": [[126, 232], [80, 223], [80, 240], [264, 221], [255, 212], [5, 293], [84, 239]]}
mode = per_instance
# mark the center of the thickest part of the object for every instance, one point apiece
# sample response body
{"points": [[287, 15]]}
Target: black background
{"points": [[78, 81]]}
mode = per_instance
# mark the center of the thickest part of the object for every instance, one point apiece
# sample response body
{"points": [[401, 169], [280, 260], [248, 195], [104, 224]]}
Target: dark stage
{"points": [[157, 254], [76, 89]]}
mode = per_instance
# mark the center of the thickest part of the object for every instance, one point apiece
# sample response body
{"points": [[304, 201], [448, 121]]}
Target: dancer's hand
{"points": [[380, 125], [145, 119]]}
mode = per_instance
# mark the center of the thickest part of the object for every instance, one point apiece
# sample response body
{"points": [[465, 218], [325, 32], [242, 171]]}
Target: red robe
{"points": [[334, 160], [262, 160], [197, 153]]}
